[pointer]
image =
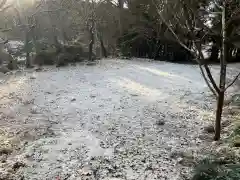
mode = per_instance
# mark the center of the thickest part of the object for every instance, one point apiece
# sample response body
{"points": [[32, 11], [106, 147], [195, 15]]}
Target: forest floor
{"points": [[116, 120]]}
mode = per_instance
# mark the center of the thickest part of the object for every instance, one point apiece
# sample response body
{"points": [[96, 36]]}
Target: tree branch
{"points": [[234, 80], [170, 28], [208, 71], [207, 82], [211, 78], [214, 89]]}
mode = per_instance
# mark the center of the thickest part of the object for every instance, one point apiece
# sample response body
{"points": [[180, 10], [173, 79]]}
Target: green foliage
{"points": [[236, 131], [214, 169], [67, 54], [234, 138], [45, 57]]}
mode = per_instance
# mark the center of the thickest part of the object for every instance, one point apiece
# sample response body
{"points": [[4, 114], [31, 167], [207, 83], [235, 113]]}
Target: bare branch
{"points": [[207, 82], [234, 80], [171, 29], [211, 77], [208, 71], [215, 88], [218, 5]]}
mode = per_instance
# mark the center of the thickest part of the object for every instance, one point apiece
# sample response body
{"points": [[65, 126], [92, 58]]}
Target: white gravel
{"points": [[102, 122]]}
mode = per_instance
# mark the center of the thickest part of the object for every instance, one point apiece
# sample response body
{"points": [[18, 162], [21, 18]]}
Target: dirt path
{"points": [[117, 120]]}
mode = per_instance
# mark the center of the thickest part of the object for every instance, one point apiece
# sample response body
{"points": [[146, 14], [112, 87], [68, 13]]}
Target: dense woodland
{"points": [[132, 28]]}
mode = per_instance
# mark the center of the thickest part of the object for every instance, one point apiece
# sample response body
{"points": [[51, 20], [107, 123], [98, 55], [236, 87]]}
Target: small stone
{"points": [[160, 122], [180, 160], [32, 77], [92, 96], [73, 99], [38, 69], [85, 171], [91, 63], [134, 95], [17, 165]]}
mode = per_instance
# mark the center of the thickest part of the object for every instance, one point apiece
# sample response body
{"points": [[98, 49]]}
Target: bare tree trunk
{"points": [[28, 60], [214, 52], [223, 64], [57, 44], [120, 5], [103, 49], [91, 42], [91, 31]]}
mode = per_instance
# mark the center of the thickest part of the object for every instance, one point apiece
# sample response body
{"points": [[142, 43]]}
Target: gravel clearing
{"points": [[117, 120]]}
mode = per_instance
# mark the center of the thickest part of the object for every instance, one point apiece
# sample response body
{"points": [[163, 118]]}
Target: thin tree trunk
{"points": [[223, 64], [156, 50], [104, 51], [120, 4], [91, 42], [214, 52], [220, 103], [28, 61]]}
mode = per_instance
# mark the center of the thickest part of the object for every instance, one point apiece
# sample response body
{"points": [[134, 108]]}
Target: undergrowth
{"points": [[224, 166], [214, 169]]}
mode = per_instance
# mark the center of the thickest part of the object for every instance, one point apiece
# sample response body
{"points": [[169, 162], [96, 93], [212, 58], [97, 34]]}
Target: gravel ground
{"points": [[116, 120]]}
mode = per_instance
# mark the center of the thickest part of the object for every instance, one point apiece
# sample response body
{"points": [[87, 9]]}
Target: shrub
{"points": [[45, 57], [64, 58], [213, 169]]}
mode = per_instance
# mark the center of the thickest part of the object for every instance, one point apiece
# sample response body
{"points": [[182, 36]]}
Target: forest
{"points": [[119, 89]]}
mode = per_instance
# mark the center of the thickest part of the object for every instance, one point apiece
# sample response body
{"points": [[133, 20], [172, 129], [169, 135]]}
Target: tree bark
{"points": [[120, 5], [28, 60], [220, 103], [104, 51], [237, 55], [223, 64], [91, 42], [214, 52], [91, 32]]}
